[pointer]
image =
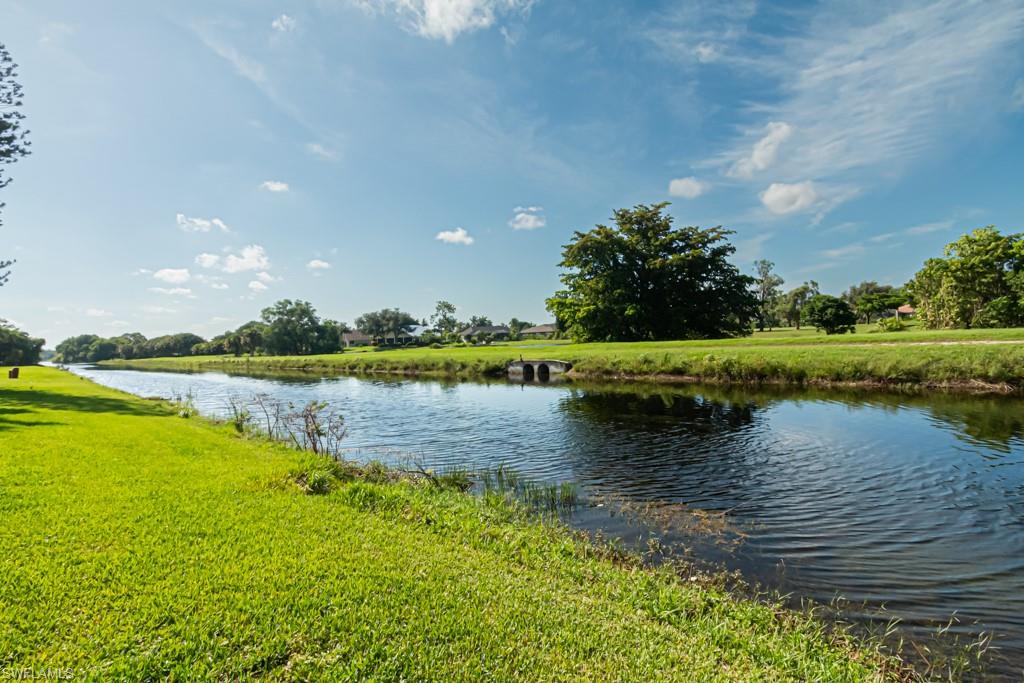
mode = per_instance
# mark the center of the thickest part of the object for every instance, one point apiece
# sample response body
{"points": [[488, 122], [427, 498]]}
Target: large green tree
{"points": [[642, 278], [14, 142], [766, 289], [978, 283], [293, 328], [385, 323], [444, 320], [870, 298]]}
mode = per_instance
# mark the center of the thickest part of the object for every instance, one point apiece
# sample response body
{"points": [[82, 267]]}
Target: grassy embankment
{"points": [[974, 359], [141, 545]]}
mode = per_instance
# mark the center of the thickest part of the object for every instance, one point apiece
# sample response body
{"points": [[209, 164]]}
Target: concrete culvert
{"points": [[528, 372], [543, 372]]}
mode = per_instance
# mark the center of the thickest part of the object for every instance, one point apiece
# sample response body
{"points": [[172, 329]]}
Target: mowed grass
{"points": [[923, 357], [139, 545]]}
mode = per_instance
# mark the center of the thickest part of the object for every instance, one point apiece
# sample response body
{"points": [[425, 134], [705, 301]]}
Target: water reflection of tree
{"points": [[667, 443]]}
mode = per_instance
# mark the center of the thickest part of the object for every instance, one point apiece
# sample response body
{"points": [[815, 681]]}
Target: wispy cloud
{"points": [[318, 150], [200, 224], [318, 264], [256, 286], [446, 19], [175, 276], [173, 291], [855, 249], [456, 236], [97, 313], [864, 95], [283, 24], [926, 228]]}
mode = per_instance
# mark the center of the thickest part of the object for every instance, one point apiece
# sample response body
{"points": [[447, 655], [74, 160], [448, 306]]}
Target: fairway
{"points": [[142, 545], [977, 360]]}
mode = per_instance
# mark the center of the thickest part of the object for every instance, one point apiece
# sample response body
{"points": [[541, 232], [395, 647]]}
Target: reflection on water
{"points": [[915, 502]]}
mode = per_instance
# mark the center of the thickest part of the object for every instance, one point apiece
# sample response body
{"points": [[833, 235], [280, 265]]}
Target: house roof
{"points": [[905, 308], [540, 329], [485, 329], [355, 335]]}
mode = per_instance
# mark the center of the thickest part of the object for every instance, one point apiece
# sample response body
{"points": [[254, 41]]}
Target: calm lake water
{"points": [[914, 503]]}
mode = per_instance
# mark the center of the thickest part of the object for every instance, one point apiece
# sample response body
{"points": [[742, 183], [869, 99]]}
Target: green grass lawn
{"points": [[959, 358], [139, 545]]}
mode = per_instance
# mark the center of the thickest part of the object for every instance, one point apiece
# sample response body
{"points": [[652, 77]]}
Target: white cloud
{"points": [[219, 285], [706, 53], [783, 198], [854, 249], [142, 271], [97, 313], [274, 186], [749, 250], [173, 291], [200, 224], [446, 19], [318, 150], [764, 151], [252, 257], [174, 276], [158, 310], [1017, 96], [283, 23], [257, 286], [265, 277], [317, 264], [207, 260], [456, 236], [528, 218], [884, 237], [118, 323], [688, 188], [929, 227]]}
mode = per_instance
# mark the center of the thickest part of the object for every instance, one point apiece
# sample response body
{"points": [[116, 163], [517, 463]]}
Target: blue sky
{"points": [[195, 161]]}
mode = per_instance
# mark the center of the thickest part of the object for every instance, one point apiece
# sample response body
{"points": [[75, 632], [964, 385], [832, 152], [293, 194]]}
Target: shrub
{"points": [[891, 325], [829, 313]]}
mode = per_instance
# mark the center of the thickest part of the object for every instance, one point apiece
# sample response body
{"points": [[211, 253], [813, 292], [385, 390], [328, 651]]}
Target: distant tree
{"points": [[17, 347], [766, 290], [292, 327], [388, 322], [171, 345], [790, 304], [14, 142], [979, 282], [480, 321], [329, 339], [879, 303], [444, 320], [829, 313], [74, 349], [865, 308], [100, 350], [516, 326], [645, 279]]}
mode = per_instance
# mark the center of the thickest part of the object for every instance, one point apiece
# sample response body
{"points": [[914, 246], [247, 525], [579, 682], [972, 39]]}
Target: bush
{"points": [[829, 313], [891, 325]]}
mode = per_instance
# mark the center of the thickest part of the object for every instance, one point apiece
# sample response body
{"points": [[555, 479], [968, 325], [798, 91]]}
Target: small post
{"points": [[12, 373]]}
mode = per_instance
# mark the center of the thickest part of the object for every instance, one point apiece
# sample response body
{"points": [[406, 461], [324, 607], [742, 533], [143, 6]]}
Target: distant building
{"points": [[356, 338], [413, 333], [539, 331], [496, 332], [905, 311]]}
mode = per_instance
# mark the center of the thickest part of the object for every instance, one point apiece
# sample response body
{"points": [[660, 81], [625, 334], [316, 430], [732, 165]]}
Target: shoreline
{"points": [[207, 484]]}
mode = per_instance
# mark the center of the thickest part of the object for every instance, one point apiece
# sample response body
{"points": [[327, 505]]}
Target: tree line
{"points": [[287, 328]]}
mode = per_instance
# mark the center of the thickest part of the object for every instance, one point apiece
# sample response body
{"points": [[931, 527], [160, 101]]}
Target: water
{"points": [[914, 503]]}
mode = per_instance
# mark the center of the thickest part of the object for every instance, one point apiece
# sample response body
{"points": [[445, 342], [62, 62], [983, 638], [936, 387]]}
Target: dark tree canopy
{"points": [[979, 283], [790, 305], [829, 313], [16, 347], [14, 142], [643, 279], [385, 323]]}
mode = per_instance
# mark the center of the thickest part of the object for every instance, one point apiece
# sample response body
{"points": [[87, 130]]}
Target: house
{"points": [[495, 331], [905, 311], [355, 338], [539, 331], [413, 333]]}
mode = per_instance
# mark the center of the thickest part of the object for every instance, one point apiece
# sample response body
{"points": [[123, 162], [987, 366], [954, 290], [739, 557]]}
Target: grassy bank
{"points": [[142, 545], [975, 359]]}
